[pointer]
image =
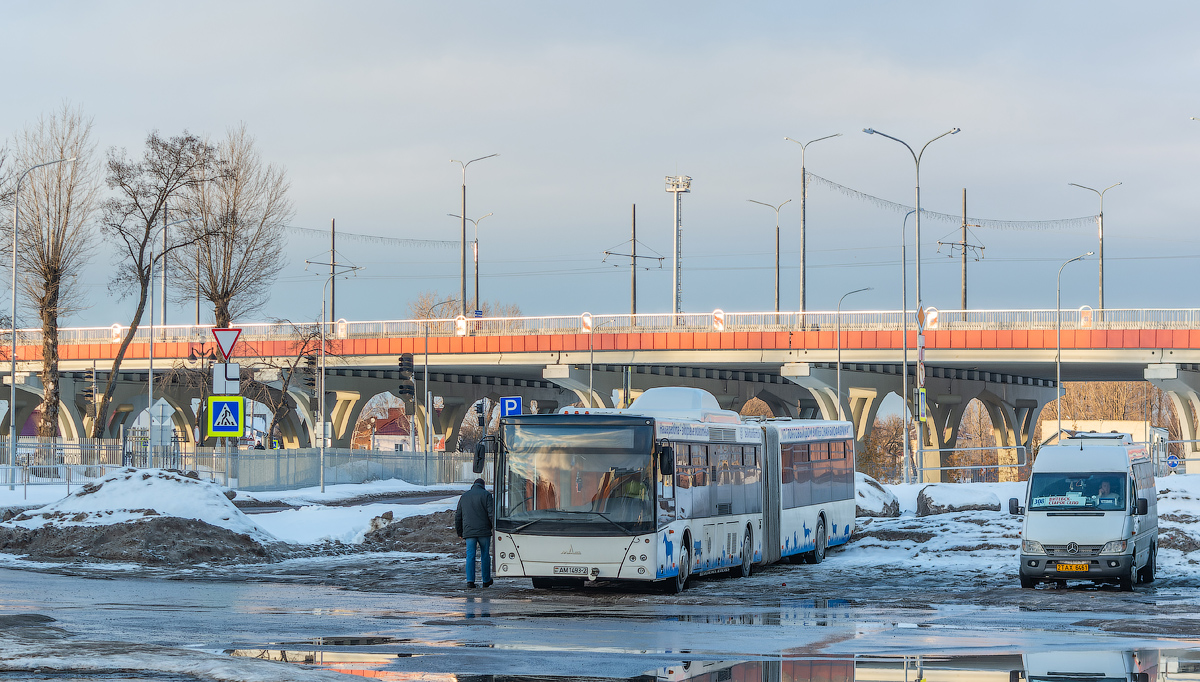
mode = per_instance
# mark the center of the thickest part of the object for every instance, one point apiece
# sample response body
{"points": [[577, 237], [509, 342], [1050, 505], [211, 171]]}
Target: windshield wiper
{"points": [[600, 514]]}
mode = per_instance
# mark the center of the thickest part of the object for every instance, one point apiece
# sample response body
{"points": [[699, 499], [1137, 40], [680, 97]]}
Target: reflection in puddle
{"points": [[381, 655]]}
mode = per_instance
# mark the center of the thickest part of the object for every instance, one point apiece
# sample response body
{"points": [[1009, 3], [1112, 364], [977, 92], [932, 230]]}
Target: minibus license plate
{"points": [[572, 570], [1073, 567]]}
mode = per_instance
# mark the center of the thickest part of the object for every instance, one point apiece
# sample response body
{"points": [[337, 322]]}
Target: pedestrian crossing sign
{"points": [[226, 416]]}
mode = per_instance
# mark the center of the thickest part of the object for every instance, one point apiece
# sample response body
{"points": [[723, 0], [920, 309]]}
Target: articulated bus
{"points": [[672, 487]]}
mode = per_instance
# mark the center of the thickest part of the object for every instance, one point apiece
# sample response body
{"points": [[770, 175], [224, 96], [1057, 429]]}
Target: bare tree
{"points": [[131, 220], [244, 212], [1116, 400], [56, 232], [422, 307], [287, 371], [883, 449]]}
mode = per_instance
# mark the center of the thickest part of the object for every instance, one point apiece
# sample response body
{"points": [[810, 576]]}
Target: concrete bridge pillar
{"points": [[1012, 401], [1183, 385], [576, 379]]}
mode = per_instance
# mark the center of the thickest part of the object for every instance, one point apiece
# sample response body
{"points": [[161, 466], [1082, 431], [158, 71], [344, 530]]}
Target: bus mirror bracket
{"points": [[666, 459]]}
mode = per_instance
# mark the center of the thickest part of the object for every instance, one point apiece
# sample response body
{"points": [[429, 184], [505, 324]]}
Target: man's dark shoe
{"points": [[470, 586], [488, 583]]}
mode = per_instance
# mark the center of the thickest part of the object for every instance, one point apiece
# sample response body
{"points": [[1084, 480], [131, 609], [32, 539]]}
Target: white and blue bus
{"points": [[672, 487]]}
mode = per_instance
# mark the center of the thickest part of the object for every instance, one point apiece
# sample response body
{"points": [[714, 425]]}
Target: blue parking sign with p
{"points": [[510, 406]]}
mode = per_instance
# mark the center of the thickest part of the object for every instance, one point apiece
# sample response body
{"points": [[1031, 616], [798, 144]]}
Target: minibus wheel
{"points": [[1125, 583], [1027, 581]]}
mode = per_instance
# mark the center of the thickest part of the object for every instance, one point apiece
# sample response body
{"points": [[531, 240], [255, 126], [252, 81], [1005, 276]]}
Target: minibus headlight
{"points": [[1032, 547], [1115, 547]]}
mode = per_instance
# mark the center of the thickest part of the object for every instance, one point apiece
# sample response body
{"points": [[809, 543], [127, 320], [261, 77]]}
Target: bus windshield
{"points": [[576, 480], [1059, 491]]}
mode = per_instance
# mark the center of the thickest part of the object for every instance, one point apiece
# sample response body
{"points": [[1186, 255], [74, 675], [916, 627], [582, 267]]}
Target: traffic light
{"points": [[407, 388], [479, 412], [310, 375]]}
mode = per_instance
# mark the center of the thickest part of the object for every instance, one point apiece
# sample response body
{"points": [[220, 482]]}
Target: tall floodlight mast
{"points": [[678, 185]]}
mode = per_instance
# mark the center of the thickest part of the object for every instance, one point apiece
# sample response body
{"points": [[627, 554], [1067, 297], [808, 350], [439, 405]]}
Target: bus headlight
{"points": [[1032, 547], [504, 568], [1115, 547]]}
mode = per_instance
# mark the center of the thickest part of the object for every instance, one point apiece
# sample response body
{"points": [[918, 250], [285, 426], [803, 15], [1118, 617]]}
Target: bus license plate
{"points": [[1072, 567], [570, 570]]}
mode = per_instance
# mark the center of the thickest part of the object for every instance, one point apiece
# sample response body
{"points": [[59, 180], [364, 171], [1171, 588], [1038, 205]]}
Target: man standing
{"points": [[473, 520]]}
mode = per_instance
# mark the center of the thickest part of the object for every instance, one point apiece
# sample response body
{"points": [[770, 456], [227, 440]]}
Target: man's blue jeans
{"points": [[483, 546]]}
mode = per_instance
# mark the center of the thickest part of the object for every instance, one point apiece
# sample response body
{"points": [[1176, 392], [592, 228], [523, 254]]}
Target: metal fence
{"points": [[291, 469], [48, 462]]}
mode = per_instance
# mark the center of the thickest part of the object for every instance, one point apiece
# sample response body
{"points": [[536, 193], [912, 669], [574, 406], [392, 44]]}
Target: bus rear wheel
{"points": [[817, 555], [747, 566]]}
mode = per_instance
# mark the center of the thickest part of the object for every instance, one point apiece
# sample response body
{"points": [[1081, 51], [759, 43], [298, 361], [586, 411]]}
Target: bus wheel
{"points": [[747, 565], [679, 582], [817, 555]]}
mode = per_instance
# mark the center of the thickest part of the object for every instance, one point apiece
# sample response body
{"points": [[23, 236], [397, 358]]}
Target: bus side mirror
{"points": [[666, 460], [1143, 507], [1014, 506], [1016, 675], [1140, 677]]}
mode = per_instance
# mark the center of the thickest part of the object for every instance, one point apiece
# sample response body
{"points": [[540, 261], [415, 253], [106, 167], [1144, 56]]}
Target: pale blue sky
{"points": [[590, 105]]}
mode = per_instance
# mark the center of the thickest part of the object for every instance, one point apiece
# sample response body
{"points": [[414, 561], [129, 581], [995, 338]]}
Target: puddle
{"points": [[387, 661]]}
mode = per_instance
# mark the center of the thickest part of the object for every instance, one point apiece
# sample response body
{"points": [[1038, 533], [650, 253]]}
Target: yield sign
{"points": [[225, 340]]}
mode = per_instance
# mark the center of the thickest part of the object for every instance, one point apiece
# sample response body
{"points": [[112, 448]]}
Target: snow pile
{"points": [[139, 495], [143, 516], [1179, 513], [349, 525], [342, 492], [943, 498], [873, 499]]}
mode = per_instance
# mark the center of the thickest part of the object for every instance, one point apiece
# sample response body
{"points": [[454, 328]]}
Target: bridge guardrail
{"points": [[885, 320]]}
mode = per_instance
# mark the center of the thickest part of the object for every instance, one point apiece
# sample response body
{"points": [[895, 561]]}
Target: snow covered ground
{"points": [[987, 542]]}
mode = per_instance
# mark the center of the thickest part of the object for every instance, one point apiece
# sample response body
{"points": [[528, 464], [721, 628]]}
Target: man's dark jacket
{"points": [[476, 513]]}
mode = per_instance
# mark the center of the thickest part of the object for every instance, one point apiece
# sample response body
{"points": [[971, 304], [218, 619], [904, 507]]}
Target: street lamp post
{"points": [[1058, 344], [12, 398], [150, 333], [904, 335], [462, 290], [776, 209], [1100, 221], [476, 250], [592, 358], [803, 207], [839, 346], [425, 399], [916, 160]]}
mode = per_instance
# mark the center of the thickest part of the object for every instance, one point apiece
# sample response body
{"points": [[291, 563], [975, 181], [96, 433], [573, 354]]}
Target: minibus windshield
{"points": [[1064, 491]]}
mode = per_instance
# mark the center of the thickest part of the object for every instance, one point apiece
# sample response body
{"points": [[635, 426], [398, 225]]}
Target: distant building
{"points": [[387, 433]]}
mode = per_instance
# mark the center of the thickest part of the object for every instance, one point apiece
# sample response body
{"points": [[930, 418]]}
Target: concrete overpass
{"points": [[789, 360]]}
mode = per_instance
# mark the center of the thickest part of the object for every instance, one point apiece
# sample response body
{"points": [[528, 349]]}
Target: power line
{"points": [[374, 239], [1059, 224]]}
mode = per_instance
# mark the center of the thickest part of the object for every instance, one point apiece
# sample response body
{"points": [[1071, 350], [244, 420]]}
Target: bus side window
{"points": [[683, 466], [700, 464]]}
